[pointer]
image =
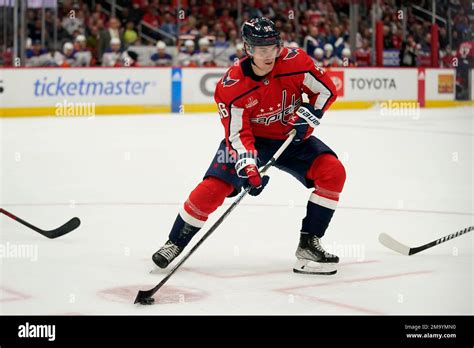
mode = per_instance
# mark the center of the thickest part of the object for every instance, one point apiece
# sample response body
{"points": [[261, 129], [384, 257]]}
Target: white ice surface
{"points": [[126, 177]]}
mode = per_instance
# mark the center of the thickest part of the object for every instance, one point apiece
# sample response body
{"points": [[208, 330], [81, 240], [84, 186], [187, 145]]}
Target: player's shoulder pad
{"points": [[231, 84], [296, 57]]}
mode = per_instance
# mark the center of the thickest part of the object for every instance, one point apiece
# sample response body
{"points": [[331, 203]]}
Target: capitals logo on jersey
{"points": [[227, 81], [279, 113], [292, 53]]}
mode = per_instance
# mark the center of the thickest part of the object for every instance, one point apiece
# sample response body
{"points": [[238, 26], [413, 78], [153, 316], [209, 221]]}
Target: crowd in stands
{"points": [[206, 32]]}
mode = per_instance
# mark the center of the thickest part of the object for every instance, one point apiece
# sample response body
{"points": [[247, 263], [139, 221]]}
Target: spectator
{"points": [[105, 36], [203, 33], [92, 43], [112, 56], [252, 10], [233, 38], [408, 52], [135, 14], [168, 25], [221, 41], [363, 54], [114, 28], [311, 41], [161, 58], [387, 38], [318, 22], [152, 17], [448, 58], [426, 44], [34, 30], [336, 40], [130, 36], [73, 21]]}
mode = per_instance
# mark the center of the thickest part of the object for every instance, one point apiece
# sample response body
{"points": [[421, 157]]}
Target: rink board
{"points": [[63, 92]]}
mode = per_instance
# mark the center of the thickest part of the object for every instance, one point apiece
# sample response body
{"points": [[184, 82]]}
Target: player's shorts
{"points": [[295, 160]]}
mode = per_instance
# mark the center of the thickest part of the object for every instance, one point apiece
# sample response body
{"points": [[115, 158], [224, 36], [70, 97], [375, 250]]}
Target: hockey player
{"points": [[82, 53], [112, 56], [329, 59], [318, 56], [188, 56], [161, 58], [204, 55], [259, 102]]}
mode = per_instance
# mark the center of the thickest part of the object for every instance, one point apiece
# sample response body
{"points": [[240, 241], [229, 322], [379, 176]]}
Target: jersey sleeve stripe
{"points": [[235, 126], [317, 86]]}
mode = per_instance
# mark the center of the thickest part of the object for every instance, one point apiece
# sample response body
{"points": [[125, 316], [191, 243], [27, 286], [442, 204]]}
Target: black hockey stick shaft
{"points": [[440, 240], [143, 294], [58, 232]]}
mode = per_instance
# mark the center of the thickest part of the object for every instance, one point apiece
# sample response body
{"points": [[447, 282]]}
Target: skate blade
{"points": [[311, 267]]}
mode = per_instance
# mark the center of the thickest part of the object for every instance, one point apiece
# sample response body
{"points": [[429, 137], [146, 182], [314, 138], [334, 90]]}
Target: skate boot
{"points": [[167, 253], [312, 258], [180, 235]]}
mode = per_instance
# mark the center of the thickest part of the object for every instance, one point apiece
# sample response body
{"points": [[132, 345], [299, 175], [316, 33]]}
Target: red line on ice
{"points": [[345, 305], [256, 274], [19, 295], [388, 276]]}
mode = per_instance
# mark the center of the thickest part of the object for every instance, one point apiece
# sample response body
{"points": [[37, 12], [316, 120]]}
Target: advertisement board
{"points": [[102, 87]]}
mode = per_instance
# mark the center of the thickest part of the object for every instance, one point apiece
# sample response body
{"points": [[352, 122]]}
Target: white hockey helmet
{"points": [[161, 45], [318, 52], [328, 47], [346, 52], [68, 47], [189, 43], [204, 41]]}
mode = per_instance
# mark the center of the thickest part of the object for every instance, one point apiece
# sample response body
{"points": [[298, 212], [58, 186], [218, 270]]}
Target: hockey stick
{"points": [[145, 296], [391, 243], [58, 232]]}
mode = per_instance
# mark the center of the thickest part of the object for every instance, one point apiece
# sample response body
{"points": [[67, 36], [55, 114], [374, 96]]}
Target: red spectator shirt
{"points": [[250, 106], [362, 57]]}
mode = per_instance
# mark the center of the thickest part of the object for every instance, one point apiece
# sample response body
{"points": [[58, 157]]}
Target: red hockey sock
{"points": [[204, 200], [329, 176]]}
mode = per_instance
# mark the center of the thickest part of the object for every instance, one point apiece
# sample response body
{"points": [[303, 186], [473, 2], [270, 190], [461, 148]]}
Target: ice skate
{"points": [[166, 254], [312, 258]]}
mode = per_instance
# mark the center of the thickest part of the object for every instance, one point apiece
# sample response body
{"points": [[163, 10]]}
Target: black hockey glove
{"points": [[305, 117]]}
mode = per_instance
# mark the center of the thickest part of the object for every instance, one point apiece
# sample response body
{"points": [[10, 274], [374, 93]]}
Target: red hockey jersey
{"points": [[251, 106]]}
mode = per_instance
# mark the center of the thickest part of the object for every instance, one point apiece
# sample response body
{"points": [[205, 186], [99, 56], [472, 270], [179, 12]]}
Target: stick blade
{"points": [[69, 226], [142, 296], [393, 244]]}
